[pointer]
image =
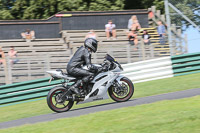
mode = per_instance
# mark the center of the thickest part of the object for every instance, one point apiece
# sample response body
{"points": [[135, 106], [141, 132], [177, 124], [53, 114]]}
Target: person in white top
{"points": [[133, 23], [110, 30], [91, 34], [13, 56]]}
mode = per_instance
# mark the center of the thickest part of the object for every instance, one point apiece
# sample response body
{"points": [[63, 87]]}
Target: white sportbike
{"points": [[110, 82]]}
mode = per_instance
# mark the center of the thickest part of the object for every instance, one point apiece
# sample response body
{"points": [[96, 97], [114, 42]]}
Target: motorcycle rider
{"points": [[83, 57]]}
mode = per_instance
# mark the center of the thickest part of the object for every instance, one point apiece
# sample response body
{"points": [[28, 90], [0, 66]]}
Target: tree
{"points": [[144, 4], [190, 8], [5, 6], [42, 9]]}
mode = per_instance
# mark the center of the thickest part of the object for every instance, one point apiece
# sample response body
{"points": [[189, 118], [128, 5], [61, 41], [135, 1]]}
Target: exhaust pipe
{"points": [[74, 98]]}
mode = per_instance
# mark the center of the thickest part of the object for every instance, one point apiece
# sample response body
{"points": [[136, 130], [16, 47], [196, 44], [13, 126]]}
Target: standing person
{"points": [[83, 57], [132, 37], [161, 32], [110, 30], [2, 57], [13, 55], [91, 34], [146, 37]]}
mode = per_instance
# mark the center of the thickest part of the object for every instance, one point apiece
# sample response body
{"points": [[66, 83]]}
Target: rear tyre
{"points": [[124, 94], [55, 102]]}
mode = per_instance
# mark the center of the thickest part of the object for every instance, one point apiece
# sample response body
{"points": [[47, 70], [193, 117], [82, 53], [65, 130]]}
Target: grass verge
{"points": [[174, 116], [40, 107]]}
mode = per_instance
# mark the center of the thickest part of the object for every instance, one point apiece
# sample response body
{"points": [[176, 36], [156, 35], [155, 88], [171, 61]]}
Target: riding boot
{"points": [[75, 87]]}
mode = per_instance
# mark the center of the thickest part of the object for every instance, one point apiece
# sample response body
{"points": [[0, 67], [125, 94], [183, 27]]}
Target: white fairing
{"points": [[101, 82], [59, 74]]}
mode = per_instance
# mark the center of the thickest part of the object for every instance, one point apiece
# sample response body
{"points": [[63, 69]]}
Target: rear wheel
{"points": [[55, 102], [123, 93]]}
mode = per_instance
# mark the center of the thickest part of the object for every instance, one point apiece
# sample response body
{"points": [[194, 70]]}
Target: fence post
{"points": [[162, 17], [152, 50], [186, 43], [6, 71], [128, 53], [9, 71], [29, 69], [48, 67], [142, 49], [153, 9], [180, 40], [173, 39], [158, 13]]}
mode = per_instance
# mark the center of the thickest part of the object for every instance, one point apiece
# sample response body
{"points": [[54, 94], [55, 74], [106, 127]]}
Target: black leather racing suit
{"points": [[80, 58]]}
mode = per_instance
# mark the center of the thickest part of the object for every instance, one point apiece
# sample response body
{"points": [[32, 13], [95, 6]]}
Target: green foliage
{"points": [[42, 9], [190, 8], [144, 4], [6, 15], [104, 5], [159, 5]]}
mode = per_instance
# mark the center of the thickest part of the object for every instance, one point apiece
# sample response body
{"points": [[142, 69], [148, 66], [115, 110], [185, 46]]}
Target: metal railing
{"points": [[25, 68], [143, 71], [34, 67]]}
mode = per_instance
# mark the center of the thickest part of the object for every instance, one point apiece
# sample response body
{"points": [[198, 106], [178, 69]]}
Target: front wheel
{"points": [[55, 102], [123, 93]]}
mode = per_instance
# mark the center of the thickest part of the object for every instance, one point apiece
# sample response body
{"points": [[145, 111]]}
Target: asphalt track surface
{"points": [[102, 107]]}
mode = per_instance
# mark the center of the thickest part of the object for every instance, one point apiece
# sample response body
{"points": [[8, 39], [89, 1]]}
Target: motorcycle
{"points": [[119, 88]]}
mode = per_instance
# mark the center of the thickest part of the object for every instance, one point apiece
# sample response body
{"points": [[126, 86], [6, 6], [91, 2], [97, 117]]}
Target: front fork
{"points": [[118, 84]]}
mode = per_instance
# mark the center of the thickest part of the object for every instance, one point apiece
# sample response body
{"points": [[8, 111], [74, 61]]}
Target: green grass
{"points": [[35, 108], [175, 116]]}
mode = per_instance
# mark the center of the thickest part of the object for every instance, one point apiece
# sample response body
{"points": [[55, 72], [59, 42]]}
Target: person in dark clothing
{"points": [[2, 57], [83, 57], [146, 37], [132, 37]]}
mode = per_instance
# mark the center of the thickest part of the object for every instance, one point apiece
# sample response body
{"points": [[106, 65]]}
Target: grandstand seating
{"points": [[44, 54]]}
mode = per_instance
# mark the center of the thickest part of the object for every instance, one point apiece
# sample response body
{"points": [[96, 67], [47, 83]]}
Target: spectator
{"points": [[2, 57], [91, 34], [132, 37], [150, 15], [130, 21], [133, 23], [146, 37], [136, 25], [110, 30], [161, 32], [13, 56], [28, 35]]}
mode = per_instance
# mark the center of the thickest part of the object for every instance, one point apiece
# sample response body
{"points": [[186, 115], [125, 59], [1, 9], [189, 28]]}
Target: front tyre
{"points": [[123, 93], [55, 102]]}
